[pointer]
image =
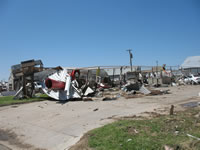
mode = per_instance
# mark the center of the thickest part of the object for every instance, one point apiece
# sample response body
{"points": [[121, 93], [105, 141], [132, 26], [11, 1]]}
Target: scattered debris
{"points": [[109, 98], [144, 90], [132, 130], [174, 84], [133, 96], [193, 137], [118, 95], [191, 104], [19, 95], [159, 92], [129, 140], [15, 106], [99, 94], [168, 148], [87, 99], [88, 91], [131, 92], [41, 106], [176, 132], [165, 91], [84, 83], [96, 109], [131, 86]]}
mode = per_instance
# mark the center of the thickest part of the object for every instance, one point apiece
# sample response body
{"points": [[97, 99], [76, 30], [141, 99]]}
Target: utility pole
{"points": [[131, 57], [156, 66], [157, 72]]}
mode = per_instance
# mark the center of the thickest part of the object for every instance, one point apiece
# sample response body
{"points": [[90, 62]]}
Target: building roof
{"points": [[191, 62]]}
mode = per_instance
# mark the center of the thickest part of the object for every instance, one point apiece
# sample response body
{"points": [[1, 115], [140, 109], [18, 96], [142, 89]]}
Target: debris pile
{"points": [[63, 85], [88, 84]]}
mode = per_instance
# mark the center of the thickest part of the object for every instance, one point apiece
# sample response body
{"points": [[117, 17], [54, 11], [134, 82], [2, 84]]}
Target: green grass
{"points": [[8, 100], [149, 134]]}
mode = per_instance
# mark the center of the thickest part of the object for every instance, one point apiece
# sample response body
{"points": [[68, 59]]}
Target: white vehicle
{"points": [[38, 87], [192, 79]]}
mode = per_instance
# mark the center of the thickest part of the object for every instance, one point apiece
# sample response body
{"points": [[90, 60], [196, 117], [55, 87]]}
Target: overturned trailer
{"points": [[64, 84], [61, 86]]}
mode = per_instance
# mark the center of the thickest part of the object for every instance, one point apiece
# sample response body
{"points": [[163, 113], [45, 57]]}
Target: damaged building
{"points": [[191, 65], [22, 77], [20, 71]]}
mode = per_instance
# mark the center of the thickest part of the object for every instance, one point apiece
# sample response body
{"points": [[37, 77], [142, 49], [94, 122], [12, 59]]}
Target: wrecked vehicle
{"points": [[192, 79]]}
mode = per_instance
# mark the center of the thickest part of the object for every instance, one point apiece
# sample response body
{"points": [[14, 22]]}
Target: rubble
{"points": [[99, 94], [159, 92], [194, 137], [144, 90], [191, 104], [96, 109], [131, 86], [133, 96], [19, 95], [168, 148], [87, 99], [131, 92], [62, 85], [23, 77], [88, 91], [109, 98], [89, 83]]}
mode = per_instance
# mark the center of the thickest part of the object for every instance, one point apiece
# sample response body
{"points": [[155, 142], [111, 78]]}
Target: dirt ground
{"points": [[57, 126]]}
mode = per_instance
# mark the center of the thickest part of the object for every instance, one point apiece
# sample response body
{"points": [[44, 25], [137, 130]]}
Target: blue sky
{"points": [[97, 32]]}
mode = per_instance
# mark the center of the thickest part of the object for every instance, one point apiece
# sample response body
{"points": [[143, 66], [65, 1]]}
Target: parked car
{"points": [[192, 79], [38, 87]]}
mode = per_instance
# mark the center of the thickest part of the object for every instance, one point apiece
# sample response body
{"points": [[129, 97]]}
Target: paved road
{"points": [[2, 147], [55, 126]]}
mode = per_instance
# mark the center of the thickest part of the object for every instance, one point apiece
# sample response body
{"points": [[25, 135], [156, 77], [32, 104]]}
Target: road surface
{"points": [[50, 125]]}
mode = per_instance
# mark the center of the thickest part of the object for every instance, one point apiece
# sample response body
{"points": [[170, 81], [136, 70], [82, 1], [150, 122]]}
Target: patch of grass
{"points": [[8, 100], [149, 134]]}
